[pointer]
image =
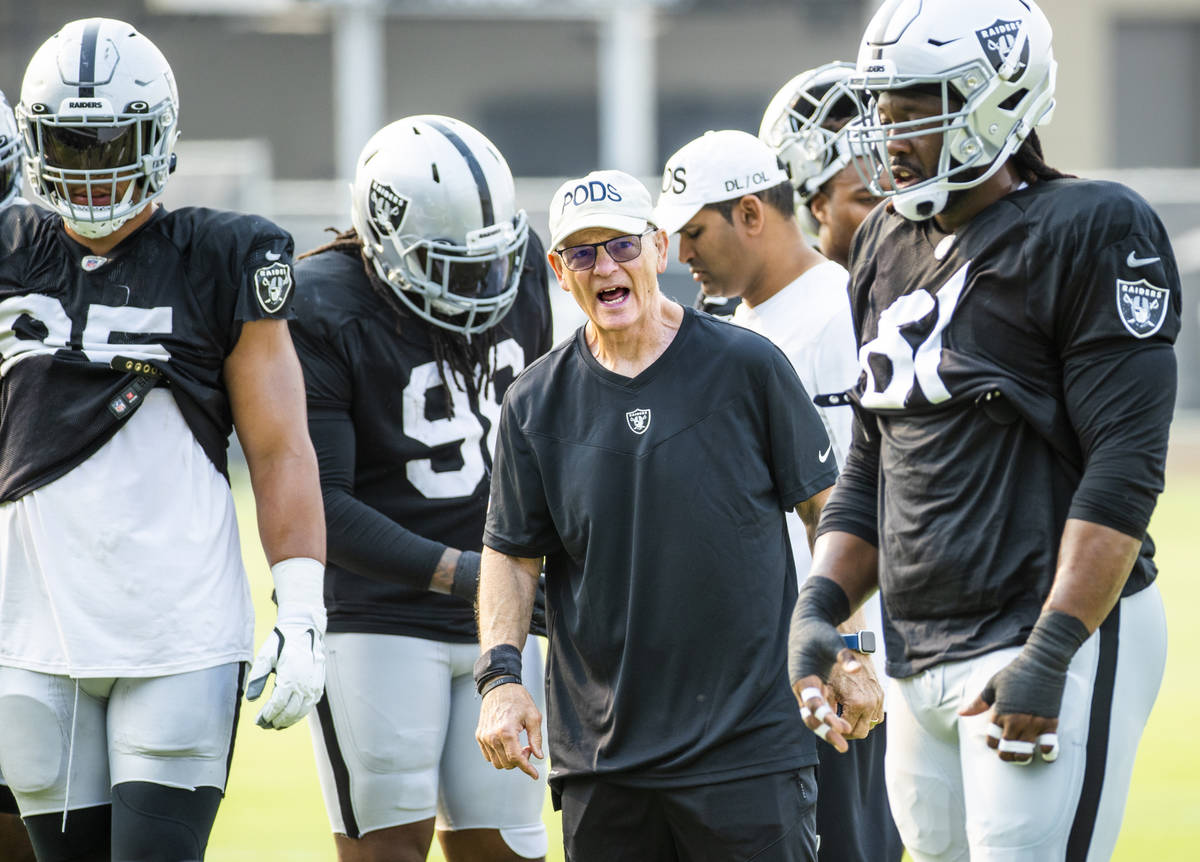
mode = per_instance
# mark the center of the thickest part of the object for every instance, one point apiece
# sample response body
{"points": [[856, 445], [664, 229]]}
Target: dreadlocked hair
{"points": [[469, 359], [1030, 163]]}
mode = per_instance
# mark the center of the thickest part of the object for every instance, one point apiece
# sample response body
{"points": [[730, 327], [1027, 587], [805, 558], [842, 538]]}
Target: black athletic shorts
{"points": [[8, 803], [767, 818], [854, 820]]}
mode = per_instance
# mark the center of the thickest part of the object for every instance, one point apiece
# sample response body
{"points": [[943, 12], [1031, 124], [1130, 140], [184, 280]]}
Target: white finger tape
{"points": [[995, 731], [822, 730], [822, 711], [805, 713], [811, 693], [1049, 740], [1019, 747]]}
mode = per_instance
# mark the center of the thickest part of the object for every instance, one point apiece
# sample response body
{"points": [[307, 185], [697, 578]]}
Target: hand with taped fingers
{"points": [[1025, 696], [507, 711], [820, 716]]}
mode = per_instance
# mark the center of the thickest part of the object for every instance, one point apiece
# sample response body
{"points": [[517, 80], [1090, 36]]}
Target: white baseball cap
{"points": [[715, 167], [611, 199]]}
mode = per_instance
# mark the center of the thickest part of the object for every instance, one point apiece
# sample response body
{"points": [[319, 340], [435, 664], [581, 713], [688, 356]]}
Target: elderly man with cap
{"points": [[668, 588], [734, 209]]}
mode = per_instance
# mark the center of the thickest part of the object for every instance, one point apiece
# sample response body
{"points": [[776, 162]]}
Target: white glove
{"points": [[295, 649]]}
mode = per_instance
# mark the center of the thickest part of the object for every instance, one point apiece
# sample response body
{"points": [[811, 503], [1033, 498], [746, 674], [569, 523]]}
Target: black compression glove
{"points": [[1032, 684], [813, 639], [466, 576]]}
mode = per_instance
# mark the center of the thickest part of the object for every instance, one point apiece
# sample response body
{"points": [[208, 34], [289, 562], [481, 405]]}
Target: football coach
{"points": [[669, 588]]}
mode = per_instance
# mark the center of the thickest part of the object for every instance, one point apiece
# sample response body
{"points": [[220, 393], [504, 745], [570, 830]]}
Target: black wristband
{"points": [[466, 576], [813, 639], [500, 660], [497, 681]]}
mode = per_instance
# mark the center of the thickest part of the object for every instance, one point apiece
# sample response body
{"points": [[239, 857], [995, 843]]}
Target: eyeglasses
{"points": [[621, 249]]}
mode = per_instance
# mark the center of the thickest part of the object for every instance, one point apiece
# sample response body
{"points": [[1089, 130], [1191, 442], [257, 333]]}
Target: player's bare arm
{"points": [[1093, 564], [843, 575], [266, 393], [507, 586]]}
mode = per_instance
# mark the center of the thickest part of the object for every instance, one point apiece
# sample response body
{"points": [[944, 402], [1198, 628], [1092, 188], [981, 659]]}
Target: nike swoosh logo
{"points": [[1133, 261], [824, 456], [274, 255]]}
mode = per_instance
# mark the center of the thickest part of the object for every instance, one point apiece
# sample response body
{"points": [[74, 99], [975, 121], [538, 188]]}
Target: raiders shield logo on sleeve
{"points": [[638, 420], [272, 286], [1141, 306]]}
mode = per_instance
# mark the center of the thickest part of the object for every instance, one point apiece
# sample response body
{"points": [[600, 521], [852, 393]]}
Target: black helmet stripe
{"points": [[87, 59], [485, 195]]}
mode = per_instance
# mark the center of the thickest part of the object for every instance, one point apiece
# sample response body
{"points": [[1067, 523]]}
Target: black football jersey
{"points": [[1014, 375], [417, 459], [76, 329]]}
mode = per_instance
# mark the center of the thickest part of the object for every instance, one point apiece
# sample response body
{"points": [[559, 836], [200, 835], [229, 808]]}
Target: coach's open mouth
{"points": [[613, 295]]}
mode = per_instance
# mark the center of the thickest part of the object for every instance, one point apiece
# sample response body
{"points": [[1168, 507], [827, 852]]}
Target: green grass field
{"points": [[273, 811]]}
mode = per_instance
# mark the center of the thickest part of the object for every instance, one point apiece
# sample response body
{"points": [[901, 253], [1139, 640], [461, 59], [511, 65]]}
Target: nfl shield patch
{"points": [[1141, 306], [273, 286], [386, 208], [998, 42], [638, 421]]}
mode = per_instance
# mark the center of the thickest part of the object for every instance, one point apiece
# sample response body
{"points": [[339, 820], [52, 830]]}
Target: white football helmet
{"points": [[99, 112], [805, 125], [10, 155], [434, 204], [992, 56]]}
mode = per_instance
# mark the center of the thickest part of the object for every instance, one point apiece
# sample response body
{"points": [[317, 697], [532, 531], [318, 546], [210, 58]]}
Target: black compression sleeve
{"points": [[852, 507], [1121, 406], [360, 538]]}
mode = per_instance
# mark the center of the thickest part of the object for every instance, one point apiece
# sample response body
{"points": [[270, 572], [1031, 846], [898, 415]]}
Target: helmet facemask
{"points": [[99, 170], [465, 288]]}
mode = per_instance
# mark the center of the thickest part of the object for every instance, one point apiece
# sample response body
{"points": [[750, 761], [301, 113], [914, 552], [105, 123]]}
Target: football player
{"points": [[1018, 380], [805, 124], [14, 840], [133, 341], [410, 328]]}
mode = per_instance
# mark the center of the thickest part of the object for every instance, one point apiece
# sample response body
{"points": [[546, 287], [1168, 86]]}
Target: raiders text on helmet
{"points": [[992, 63], [434, 204], [99, 112]]}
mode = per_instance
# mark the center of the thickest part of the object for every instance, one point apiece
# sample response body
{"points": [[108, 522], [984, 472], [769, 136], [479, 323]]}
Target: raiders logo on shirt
{"points": [[1141, 306], [273, 285]]}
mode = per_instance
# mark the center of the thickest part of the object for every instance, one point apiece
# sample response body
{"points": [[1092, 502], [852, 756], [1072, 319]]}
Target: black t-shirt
{"points": [[175, 292], [1023, 377], [669, 577], [402, 478]]}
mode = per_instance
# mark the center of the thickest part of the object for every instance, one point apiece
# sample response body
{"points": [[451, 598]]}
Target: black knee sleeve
{"points": [[86, 839], [156, 823]]}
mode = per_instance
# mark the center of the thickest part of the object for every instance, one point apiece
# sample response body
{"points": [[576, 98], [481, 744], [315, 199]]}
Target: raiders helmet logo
{"points": [[1141, 306], [273, 286], [998, 42], [638, 421], [386, 208]]}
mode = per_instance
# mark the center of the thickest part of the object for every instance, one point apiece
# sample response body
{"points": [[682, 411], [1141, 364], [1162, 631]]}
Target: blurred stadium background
{"points": [[279, 95]]}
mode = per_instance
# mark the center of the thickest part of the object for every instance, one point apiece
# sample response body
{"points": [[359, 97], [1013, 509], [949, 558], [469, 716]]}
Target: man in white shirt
{"points": [[733, 205]]}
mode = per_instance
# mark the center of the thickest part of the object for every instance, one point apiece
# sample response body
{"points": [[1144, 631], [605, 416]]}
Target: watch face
{"points": [[866, 641]]}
